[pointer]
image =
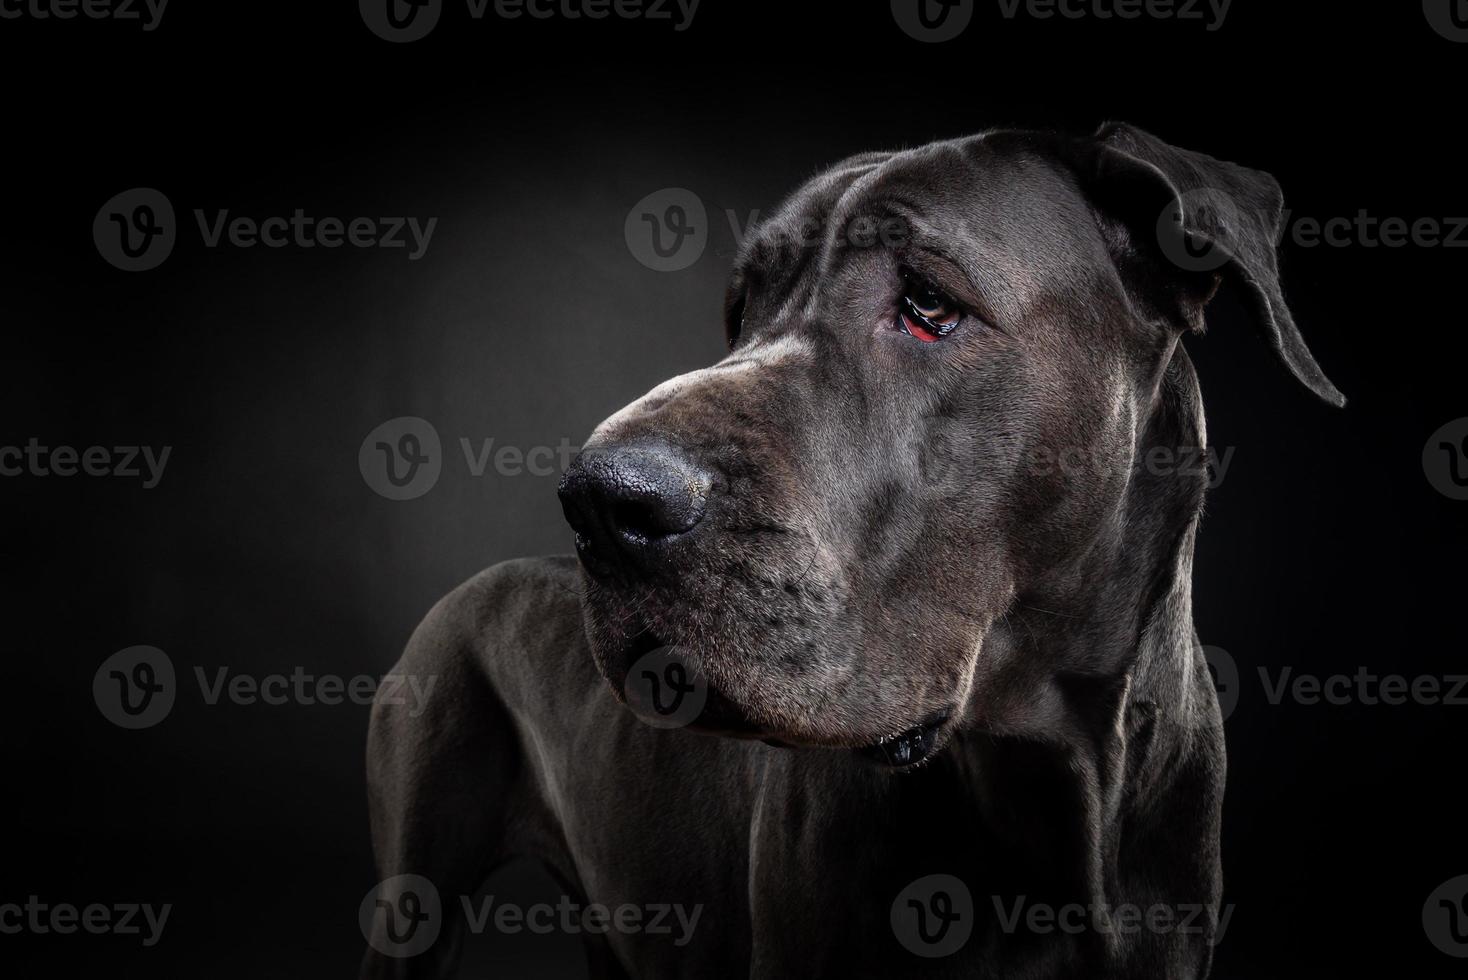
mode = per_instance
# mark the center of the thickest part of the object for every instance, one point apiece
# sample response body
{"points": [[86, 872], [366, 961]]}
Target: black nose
{"points": [[626, 502]]}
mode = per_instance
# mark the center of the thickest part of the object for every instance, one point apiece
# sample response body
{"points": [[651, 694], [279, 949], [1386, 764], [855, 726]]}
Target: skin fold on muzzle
{"points": [[916, 544]]}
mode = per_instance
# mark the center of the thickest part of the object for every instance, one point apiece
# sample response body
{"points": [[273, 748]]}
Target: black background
{"points": [[262, 550]]}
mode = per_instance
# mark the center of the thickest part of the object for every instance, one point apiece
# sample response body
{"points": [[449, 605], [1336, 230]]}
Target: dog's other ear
{"points": [[1190, 220]]}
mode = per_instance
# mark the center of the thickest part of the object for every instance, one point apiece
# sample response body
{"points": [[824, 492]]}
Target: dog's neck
{"points": [[1119, 614], [1114, 698]]}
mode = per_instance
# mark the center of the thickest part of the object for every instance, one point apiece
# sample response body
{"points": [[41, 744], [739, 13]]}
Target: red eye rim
{"points": [[913, 323], [912, 329]]}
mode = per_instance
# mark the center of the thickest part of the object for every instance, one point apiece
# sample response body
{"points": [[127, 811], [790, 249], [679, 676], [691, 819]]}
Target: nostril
{"points": [[667, 511], [638, 518]]}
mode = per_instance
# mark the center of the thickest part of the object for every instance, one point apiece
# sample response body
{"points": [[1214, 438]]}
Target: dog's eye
{"points": [[926, 312]]}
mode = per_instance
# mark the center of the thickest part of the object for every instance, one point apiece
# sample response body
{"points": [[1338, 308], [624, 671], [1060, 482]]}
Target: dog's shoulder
{"points": [[522, 612], [511, 592], [521, 598]]}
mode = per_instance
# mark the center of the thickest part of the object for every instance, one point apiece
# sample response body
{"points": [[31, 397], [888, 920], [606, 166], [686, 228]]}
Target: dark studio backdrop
{"points": [[263, 550]]}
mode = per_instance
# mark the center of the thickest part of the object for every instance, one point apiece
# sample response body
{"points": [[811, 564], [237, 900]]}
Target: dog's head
{"points": [[944, 364]]}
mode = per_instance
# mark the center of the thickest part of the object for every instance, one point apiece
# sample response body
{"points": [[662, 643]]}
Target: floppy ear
{"points": [[1191, 221]]}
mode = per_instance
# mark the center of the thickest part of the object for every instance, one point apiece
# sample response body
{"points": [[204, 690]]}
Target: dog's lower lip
{"points": [[908, 748]]}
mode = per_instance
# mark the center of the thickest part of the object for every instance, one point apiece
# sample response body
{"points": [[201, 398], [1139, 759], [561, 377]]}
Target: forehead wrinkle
{"points": [[840, 215], [868, 191], [780, 250], [775, 239]]}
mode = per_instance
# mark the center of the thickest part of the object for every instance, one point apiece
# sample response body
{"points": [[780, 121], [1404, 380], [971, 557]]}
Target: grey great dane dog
{"points": [[918, 552]]}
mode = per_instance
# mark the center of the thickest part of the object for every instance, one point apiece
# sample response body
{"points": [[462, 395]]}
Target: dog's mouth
{"points": [[910, 749]]}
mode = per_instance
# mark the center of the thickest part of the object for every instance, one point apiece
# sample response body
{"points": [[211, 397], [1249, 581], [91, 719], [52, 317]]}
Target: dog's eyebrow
{"points": [[934, 252]]}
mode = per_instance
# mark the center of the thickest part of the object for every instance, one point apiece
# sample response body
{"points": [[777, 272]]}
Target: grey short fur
{"points": [[964, 539]]}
